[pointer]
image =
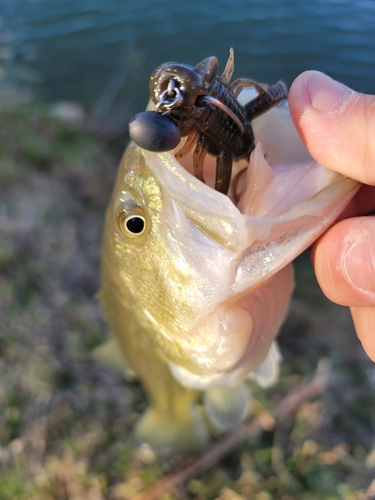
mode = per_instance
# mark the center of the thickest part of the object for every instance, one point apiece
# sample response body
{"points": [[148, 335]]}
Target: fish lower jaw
{"points": [[215, 346]]}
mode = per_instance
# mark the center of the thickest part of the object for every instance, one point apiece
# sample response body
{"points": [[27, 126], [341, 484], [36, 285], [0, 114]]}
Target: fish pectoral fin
{"points": [[110, 353], [226, 407], [267, 374]]}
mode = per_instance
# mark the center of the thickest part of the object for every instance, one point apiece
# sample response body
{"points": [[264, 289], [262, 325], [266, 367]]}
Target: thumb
{"points": [[336, 124], [347, 276]]}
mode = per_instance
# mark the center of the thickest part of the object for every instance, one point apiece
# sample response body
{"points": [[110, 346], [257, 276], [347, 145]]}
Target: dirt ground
{"points": [[66, 420]]}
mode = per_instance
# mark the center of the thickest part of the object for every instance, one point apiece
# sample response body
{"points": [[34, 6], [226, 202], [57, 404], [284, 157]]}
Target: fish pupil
{"points": [[135, 225]]}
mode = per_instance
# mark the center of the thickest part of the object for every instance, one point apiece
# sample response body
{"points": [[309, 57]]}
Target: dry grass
{"points": [[65, 420]]}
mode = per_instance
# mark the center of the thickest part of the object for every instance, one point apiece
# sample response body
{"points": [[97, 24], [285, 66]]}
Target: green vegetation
{"points": [[66, 420]]}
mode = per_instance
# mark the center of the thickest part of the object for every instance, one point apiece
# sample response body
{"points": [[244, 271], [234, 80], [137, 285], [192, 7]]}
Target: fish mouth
{"points": [[238, 167], [280, 196], [240, 245]]}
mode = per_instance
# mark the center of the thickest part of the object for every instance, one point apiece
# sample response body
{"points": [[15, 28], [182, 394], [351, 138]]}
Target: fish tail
{"points": [[166, 435]]}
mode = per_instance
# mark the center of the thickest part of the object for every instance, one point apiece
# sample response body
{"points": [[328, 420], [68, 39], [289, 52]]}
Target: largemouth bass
{"points": [[196, 284]]}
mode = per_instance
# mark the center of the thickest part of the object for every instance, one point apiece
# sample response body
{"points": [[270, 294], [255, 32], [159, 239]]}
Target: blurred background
{"points": [[66, 420], [102, 52]]}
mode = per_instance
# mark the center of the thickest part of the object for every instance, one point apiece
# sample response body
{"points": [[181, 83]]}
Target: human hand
{"points": [[337, 126]]}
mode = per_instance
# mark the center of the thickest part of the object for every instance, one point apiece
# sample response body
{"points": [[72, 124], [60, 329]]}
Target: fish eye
{"points": [[132, 222]]}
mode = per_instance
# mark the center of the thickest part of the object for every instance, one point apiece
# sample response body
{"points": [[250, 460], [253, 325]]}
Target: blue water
{"points": [[101, 52]]}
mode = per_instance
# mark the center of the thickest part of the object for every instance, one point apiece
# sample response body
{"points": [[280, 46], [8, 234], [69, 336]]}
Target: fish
{"points": [[196, 284]]}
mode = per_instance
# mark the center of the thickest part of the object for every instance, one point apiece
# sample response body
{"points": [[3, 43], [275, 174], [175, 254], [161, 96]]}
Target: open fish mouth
{"points": [[233, 253], [245, 250], [280, 192]]}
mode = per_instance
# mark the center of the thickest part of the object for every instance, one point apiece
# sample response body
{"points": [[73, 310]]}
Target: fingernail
{"points": [[327, 95], [359, 263]]}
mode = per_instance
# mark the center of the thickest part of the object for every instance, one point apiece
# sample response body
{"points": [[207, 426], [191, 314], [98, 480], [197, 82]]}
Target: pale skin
{"points": [[337, 126]]}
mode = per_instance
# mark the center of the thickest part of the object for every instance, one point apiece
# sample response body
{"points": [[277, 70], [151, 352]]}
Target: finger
{"points": [[336, 124], [364, 322], [344, 262]]}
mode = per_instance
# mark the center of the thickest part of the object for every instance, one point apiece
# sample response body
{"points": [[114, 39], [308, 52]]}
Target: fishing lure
{"points": [[196, 103]]}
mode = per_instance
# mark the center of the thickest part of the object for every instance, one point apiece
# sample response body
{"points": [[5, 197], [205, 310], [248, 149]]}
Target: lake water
{"points": [[101, 52]]}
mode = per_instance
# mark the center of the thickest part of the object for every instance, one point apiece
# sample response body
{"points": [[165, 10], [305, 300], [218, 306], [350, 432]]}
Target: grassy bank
{"points": [[66, 420]]}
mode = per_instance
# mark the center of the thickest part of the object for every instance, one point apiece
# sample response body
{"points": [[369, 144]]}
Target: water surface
{"points": [[101, 52]]}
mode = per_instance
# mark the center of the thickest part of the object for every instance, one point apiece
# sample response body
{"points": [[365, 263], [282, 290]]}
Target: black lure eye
{"points": [[132, 222]]}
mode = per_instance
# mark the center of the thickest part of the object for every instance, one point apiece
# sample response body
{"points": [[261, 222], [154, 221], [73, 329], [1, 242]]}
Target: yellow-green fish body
{"points": [[134, 281], [195, 288]]}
